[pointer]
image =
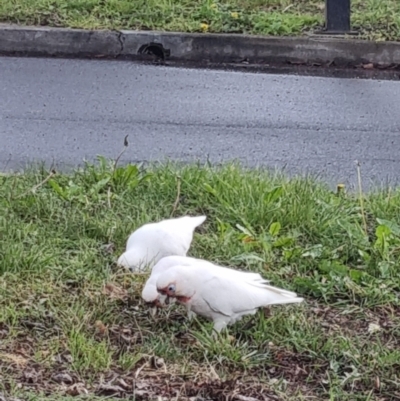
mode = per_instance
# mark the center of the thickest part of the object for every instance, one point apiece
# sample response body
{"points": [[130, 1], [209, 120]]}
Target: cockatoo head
{"points": [[135, 260], [152, 297], [177, 282]]}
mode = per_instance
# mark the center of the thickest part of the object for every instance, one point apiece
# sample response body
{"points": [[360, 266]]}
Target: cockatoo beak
{"points": [[157, 303], [154, 306]]}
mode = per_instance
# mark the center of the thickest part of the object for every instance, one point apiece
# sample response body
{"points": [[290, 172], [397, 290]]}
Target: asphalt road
{"points": [[64, 111]]}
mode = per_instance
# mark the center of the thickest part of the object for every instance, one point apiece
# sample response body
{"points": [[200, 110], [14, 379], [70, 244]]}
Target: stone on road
{"points": [[65, 111]]}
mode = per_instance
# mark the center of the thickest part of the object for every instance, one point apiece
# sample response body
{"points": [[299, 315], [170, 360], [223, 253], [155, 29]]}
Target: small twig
{"points": [[14, 183], [137, 373], [109, 197], [8, 161], [34, 188], [389, 195], [244, 398], [287, 8], [178, 195], [361, 196], [121, 153]]}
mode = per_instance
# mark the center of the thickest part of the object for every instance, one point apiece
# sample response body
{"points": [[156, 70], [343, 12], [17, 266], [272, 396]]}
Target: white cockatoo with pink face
{"points": [[152, 296], [219, 294], [154, 241]]}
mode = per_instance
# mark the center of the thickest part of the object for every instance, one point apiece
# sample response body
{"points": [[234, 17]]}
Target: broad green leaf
{"points": [[283, 241], [314, 252], [273, 195], [393, 227], [57, 189], [100, 185], [244, 230], [275, 228], [382, 231]]}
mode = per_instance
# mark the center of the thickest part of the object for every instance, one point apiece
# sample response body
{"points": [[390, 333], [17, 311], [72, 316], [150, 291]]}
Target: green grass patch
{"points": [[375, 19], [73, 325]]}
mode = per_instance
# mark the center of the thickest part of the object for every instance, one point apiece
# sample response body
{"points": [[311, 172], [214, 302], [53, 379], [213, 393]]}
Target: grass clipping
{"points": [[71, 324]]}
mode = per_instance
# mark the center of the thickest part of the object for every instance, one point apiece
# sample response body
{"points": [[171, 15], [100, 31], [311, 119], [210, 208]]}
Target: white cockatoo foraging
{"points": [[153, 241], [219, 294], [152, 296]]}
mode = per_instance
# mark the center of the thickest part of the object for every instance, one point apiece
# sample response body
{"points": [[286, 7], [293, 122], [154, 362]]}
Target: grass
{"points": [[73, 325], [374, 19]]}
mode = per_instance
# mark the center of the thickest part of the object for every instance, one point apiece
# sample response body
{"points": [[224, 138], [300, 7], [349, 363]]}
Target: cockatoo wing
{"points": [[232, 295]]}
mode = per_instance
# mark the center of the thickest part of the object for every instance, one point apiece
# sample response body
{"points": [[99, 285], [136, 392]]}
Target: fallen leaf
{"points": [[244, 398], [101, 328], [121, 382], [64, 357], [157, 362], [109, 389], [115, 292], [213, 374], [63, 378], [368, 66], [31, 375], [77, 389], [108, 248], [18, 360], [373, 328], [267, 313], [45, 353], [248, 239]]}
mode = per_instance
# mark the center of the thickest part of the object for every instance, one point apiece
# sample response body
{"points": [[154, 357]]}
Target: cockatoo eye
{"points": [[171, 288]]}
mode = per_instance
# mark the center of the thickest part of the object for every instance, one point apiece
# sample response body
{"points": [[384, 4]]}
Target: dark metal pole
{"points": [[337, 16]]}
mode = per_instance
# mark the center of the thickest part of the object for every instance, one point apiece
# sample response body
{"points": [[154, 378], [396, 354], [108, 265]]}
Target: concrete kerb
{"points": [[181, 47]]}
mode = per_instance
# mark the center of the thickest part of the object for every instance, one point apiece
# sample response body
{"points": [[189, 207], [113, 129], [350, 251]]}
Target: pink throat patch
{"points": [[183, 300]]}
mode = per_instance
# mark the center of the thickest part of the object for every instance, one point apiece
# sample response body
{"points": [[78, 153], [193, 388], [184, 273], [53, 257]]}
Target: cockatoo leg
{"points": [[219, 325], [153, 311], [190, 314]]}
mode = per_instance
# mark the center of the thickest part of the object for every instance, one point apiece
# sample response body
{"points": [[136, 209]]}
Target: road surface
{"points": [[69, 110]]}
